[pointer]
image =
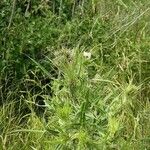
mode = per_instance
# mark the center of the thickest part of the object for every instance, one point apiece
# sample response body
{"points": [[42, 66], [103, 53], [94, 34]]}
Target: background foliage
{"points": [[52, 97]]}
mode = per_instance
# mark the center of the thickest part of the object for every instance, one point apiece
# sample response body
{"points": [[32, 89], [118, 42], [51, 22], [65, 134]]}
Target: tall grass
{"points": [[53, 96]]}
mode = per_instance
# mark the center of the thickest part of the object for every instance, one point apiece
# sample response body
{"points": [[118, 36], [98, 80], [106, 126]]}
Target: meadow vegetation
{"points": [[52, 96]]}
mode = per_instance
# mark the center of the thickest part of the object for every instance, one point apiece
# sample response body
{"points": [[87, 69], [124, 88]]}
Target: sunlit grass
{"points": [[89, 64]]}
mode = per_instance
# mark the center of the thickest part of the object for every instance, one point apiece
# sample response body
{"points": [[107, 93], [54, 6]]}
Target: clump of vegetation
{"points": [[74, 74]]}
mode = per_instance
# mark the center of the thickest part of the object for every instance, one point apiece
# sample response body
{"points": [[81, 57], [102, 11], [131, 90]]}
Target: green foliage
{"points": [[74, 74]]}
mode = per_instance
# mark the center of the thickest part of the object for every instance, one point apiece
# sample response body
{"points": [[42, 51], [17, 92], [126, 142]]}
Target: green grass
{"points": [[96, 103]]}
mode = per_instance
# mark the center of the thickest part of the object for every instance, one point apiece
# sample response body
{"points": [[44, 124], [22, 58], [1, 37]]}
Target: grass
{"points": [[55, 97]]}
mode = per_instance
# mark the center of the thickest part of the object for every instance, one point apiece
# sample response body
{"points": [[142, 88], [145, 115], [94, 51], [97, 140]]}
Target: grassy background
{"points": [[52, 97]]}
